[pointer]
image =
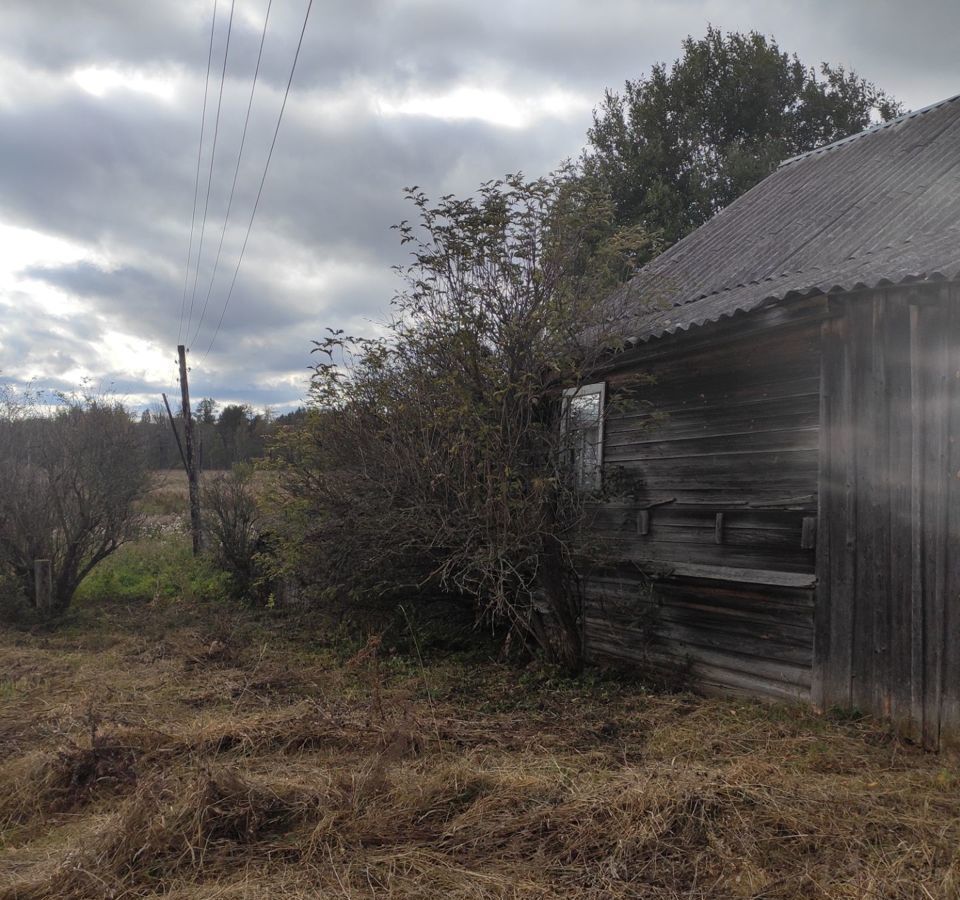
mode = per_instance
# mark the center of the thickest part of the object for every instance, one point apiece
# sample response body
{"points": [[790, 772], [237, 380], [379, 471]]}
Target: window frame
{"points": [[598, 388]]}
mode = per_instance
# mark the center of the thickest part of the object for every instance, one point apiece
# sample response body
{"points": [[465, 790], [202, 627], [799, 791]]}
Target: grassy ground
{"points": [[188, 749]]}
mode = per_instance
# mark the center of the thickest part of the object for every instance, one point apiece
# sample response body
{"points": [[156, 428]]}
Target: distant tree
{"points": [[157, 438], [69, 482], [295, 417], [233, 416], [233, 426], [237, 434], [680, 144], [206, 411]]}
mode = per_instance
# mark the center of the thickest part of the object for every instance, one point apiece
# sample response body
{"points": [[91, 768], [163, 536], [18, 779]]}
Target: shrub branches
{"points": [[433, 455], [69, 481]]}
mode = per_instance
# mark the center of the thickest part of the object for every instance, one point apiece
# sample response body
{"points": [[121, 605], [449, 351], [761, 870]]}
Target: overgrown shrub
{"points": [[15, 608], [234, 523], [70, 478], [432, 459]]}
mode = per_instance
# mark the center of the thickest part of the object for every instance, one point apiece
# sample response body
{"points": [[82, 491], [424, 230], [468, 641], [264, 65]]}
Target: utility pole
{"points": [[193, 475]]}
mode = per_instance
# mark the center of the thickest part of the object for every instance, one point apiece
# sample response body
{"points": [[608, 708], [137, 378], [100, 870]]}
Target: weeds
{"points": [[154, 568], [260, 768]]}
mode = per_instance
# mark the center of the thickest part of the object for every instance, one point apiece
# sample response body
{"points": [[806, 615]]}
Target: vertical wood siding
{"points": [[887, 635], [718, 461]]}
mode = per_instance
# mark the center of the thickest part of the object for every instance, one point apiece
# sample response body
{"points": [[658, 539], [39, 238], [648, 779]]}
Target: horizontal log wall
{"points": [[729, 637], [705, 552]]}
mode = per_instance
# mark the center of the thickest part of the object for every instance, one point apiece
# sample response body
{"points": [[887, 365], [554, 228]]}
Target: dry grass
{"points": [[170, 491], [176, 751]]}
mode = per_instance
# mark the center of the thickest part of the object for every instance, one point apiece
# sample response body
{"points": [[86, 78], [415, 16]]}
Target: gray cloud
{"points": [[115, 174]]}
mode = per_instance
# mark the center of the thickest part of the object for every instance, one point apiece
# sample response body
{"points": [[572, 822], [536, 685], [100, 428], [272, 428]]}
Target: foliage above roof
{"points": [[683, 142], [881, 207]]}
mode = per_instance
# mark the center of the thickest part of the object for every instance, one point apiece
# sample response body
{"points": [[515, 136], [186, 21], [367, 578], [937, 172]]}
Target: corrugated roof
{"points": [[880, 207]]}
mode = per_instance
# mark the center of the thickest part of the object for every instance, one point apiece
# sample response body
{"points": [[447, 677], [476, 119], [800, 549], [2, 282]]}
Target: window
{"points": [[582, 428]]}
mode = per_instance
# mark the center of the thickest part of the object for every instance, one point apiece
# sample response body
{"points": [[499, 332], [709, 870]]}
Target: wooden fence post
{"points": [[43, 584]]}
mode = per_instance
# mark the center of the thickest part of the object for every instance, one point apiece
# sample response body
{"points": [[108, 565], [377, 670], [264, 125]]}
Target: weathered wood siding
{"points": [[888, 615], [719, 454]]}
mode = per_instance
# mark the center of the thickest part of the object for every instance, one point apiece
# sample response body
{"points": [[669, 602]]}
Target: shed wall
{"points": [[718, 459], [888, 616]]}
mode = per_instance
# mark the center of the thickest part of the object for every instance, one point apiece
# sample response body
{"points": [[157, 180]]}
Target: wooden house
{"points": [[794, 530]]}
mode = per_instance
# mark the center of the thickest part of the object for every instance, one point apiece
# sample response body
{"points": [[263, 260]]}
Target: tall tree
{"points": [[680, 144], [233, 425], [206, 411]]}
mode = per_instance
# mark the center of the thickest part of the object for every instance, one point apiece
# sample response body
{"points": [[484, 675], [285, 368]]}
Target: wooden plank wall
{"points": [[888, 624], [717, 460]]}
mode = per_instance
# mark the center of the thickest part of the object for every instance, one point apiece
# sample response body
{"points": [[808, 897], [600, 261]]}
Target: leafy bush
{"points": [[432, 459], [69, 484], [234, 524]]}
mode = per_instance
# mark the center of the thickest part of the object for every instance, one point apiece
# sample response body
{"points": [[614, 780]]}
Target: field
{"points": [[169, 492], [190, 749]]}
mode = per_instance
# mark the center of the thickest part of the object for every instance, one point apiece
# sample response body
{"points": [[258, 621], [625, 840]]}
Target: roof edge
{"points": [[918, 279], [880, 126]]}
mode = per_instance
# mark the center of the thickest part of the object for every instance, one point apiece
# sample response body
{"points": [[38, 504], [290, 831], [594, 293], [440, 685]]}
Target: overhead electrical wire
{"points": [[196, 184], [263, 179], [213, 156], [236, 173]]}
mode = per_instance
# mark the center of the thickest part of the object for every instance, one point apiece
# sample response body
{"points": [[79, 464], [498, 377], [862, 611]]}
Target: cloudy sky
{"points": [[100, 109]]}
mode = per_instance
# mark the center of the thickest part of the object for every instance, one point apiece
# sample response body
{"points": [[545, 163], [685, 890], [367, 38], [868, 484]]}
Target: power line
{"points": [[213, 156], [236, 172], [263, 179], [196, 184]]}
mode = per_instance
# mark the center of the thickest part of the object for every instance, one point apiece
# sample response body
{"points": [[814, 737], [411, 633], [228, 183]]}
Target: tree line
{"points": [[226, 436]]}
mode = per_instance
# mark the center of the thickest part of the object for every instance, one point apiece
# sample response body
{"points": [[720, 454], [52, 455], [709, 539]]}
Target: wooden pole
{"points": [[43, 584], [176, 434], [193, 479]]}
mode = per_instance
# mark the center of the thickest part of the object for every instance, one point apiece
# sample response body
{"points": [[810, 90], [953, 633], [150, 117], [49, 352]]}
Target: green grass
{"points": [[159, 567]]}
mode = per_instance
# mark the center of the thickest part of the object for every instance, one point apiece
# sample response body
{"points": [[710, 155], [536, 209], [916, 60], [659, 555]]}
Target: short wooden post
{"points": [[43, 584]]}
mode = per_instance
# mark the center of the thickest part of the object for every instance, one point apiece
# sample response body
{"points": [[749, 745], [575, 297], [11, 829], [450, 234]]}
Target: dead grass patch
{"points": [[301, 778]]}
